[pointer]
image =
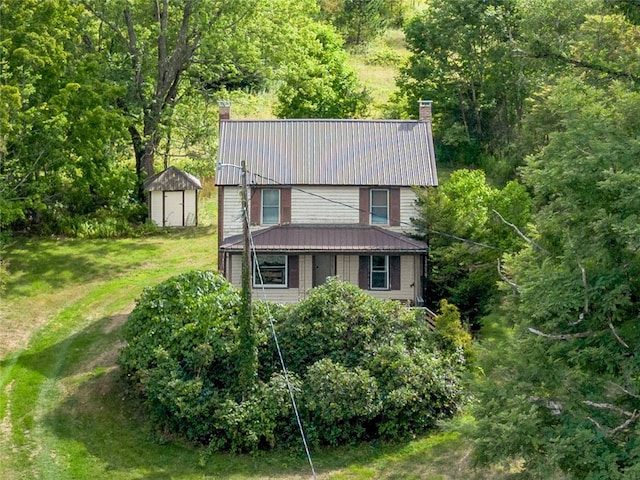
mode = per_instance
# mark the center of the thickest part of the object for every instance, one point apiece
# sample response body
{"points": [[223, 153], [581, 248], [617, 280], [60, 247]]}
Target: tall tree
{"points": [[321, 84], [165, 52], [469, 225], [59, 137], [463, 57], [360, 21], [565, 394]]}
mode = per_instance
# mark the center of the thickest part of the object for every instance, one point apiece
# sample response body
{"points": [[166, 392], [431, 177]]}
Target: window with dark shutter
{"points": [[270, 206], [256, 207], [379, 272], [363, 272], [364, 206], [294, 276], [394, 272]]}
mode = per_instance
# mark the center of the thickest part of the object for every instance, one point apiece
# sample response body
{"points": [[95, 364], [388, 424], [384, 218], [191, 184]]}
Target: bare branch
{"points": [[514, 286], [615, 334], [560, 336], [585, 308], [625, 390], [609, 406], [598, 426], [555, 407], [624, 425], [520, 234]]}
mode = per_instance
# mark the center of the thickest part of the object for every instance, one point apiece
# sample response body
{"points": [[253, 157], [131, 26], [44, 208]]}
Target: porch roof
{"points": [[327, 239]]}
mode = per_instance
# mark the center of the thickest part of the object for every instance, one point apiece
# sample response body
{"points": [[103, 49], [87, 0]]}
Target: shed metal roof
{"points": [[172, 179], [327, 152], [327, 238]]}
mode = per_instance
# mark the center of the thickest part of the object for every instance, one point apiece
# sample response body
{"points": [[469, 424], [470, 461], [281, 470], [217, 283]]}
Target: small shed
{"points": [[173, 198]]}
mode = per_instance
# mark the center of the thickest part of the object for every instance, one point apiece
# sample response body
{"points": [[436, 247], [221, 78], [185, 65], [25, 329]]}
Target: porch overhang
{"points": [[324, 238]]}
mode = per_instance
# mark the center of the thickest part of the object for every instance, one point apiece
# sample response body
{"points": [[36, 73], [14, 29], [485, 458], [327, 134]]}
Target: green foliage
{"points": [[340, 404], [462, 57], [467, 238], [361, 367], [360, 21], [449, 326], [570, 372], [321, 84]]}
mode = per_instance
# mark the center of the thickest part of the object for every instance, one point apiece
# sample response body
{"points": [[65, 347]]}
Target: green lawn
{"points": [[65, 412]]}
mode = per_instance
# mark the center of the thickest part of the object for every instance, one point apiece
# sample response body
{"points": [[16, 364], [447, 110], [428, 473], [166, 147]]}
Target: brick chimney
{"points": [[224, 110], [425, 110]]}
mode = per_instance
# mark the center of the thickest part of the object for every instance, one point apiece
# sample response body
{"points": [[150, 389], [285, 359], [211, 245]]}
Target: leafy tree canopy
{"points": [[564, 395], [321, 85], [468, 225]]}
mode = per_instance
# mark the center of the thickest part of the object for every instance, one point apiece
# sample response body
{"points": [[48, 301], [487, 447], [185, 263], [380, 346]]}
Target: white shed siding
{"points": [[157, 198], [190, 208]]}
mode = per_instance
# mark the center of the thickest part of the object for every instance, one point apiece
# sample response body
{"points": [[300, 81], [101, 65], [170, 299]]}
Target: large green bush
{"points": [[361, 368]]}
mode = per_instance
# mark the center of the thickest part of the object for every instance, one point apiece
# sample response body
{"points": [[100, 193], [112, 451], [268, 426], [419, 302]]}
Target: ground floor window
{"points": [[379, 272], [270, 271]]}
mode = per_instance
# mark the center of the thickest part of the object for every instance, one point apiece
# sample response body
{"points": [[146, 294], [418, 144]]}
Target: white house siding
{"points": [[325, 205], [190, 208], [346, 269], [348, 266], [156, 199], [279, 295], [309, 204], [407, 208], [232, 220]]}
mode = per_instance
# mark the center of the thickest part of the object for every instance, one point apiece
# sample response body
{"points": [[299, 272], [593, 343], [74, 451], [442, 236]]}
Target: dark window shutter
{"points": [[285, 206], [363, 272], [294, 280], [364, 206], [256, 206], [394, 207], [394, 272]]}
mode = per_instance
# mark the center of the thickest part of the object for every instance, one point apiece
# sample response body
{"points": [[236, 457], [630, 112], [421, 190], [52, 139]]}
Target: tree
{"points": [[463, 57], [360, 20], [468, 225], [321, 85], [166, 52], [60, 136], [565, 392]]}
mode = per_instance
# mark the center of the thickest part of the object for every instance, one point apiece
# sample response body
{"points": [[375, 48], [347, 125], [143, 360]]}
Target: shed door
{"points": [[323, 266], [174, 209]]}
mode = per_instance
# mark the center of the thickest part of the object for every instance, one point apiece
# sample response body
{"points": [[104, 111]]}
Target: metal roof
{"points": [[327, 152], [172, 179], [327, 238]]}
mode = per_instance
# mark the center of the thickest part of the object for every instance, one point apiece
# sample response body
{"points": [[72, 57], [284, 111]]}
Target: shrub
{"points": [[340, 404], [361, 367]]}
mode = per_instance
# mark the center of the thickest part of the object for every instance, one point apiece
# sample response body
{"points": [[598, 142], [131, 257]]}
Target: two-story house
{"points": [[326, 198]]}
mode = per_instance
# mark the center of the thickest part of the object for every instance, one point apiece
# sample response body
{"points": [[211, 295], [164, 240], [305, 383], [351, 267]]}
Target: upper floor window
{"points": [[270, 271], [379, 207], [270, 206], [379, 269]]}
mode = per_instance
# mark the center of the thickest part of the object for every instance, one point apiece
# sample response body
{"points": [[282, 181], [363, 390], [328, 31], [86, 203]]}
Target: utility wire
{"points": [[337, 202]]}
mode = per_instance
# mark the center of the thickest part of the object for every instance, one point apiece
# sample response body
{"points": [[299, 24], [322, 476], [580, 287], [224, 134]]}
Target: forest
{"points": [[533, 232]]}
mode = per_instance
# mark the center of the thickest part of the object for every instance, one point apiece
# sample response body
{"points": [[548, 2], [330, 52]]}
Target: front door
{"points": [[323, 266]]}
